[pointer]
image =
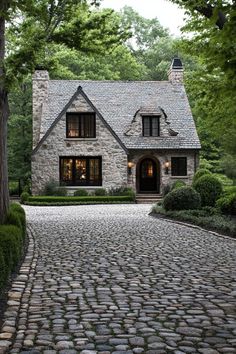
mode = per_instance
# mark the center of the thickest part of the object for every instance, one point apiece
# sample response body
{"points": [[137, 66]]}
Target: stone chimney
{"points": [[40, 101], [176, 72]]}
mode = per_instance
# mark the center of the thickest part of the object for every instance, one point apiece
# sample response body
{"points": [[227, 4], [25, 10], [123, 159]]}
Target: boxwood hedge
{"points": [[12, 234]]}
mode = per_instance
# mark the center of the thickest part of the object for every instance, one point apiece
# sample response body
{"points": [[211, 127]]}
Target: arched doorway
{"points": [[149, 176]]}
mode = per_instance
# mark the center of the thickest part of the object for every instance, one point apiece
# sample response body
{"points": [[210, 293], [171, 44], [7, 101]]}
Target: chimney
{"points": [[176, 72], [40, 101]]}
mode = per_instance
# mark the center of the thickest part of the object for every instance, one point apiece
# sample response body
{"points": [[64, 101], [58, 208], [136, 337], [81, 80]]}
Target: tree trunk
{"points": [[4, 113]]}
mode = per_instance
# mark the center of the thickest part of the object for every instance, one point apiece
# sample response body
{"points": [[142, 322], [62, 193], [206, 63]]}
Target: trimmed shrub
{"points": [[209, 188], [52, 188], [47, 200], [81, 193], [227, 204], [11, 245], [121, 191], [24, 197], [201, 172], [3, 269], [13, 218], [178, 184], [100, 192], [17, 209], [166, 189], [181, 199]]}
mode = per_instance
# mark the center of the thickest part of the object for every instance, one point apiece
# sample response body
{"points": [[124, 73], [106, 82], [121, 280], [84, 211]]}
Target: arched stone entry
{"points": [[148, 175]]}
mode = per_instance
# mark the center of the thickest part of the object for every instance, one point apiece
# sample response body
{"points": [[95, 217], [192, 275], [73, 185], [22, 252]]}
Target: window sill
{"points": [[179, 177], [80, 139]]}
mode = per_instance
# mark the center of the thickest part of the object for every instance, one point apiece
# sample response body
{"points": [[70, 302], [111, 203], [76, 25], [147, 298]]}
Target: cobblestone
{"points": [[113, 280]]}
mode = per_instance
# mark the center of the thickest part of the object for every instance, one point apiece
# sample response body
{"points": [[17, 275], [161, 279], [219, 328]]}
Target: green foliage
{"points": [[100, 192], [46, 200], [229, 189], [181, 199], [166, 189], [201, 172], [13, 219], [227, 204], [121, 191], [3, 269], [52, 188], [226, 181], [178, 184], [213, 221], [228, 164], [24, 197], [209, 188], [19, 211], [80, 192]]}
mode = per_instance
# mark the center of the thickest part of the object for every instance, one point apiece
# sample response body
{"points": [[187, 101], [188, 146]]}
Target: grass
{"points": [[208, 218]]}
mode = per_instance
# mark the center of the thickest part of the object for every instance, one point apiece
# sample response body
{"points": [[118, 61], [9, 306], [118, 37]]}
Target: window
{"points": [[81, 171], [179, 166], [151, 126], [80, 125]]}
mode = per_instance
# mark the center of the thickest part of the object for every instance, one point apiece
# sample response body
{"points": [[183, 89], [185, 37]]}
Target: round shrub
{"points": [[227, 204], [17, 209], [100, 192], [182, 199], [165, 189], [81, 193], [24, 197], [13, 218], [201, 172], [60, 192], [209, 188], [178, 184]]}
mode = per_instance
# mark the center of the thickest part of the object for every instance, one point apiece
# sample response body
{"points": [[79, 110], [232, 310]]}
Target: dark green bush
{"points": [[13, 218], [53, 188], [3, 269], [121, 191], [100, 192], [81, 193], [209, 188], [166, 189], [178, 184], [181, 199], [11, 245], [24, 197], [227, 204], [201, 172], [17, 208]]}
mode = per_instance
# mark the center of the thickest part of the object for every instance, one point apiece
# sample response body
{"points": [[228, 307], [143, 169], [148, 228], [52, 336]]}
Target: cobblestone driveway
{"points": [[111, 279]]}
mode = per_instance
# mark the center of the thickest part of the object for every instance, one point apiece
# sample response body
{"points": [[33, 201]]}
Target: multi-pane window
{"points": [[151, 126], [80, 125], [81, 171], [179, 166]]}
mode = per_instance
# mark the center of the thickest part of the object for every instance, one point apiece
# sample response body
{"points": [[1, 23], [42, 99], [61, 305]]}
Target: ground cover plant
{"points": [[207, 203]]}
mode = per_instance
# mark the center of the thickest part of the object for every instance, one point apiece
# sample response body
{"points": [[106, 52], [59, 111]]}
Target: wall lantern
{"points": [[167, 166], [130, 165]]}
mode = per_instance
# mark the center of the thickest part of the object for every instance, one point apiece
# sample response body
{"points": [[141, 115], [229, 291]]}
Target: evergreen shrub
{"points": [[182, 199], [178, 184], [227, 204], [81, 192], [201, 172], [100, 192], [209, 188]]}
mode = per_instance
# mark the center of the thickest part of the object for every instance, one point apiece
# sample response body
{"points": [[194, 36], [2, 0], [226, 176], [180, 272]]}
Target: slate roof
{"points": [[118, 101]]}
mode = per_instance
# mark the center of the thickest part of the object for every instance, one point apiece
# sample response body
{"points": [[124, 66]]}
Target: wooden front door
{"points": [[148, 176]]}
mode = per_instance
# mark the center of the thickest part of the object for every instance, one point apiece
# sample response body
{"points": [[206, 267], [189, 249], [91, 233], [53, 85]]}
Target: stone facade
{"points": [[160, 157], [45, 162]]}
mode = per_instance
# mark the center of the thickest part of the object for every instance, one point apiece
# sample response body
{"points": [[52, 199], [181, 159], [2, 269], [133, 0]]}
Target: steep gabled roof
{"points": [[78, 92], [118, 101]]}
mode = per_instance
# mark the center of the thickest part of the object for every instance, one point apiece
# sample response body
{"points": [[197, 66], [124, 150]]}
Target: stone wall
{"points": [[45, 162], [162, 156]]}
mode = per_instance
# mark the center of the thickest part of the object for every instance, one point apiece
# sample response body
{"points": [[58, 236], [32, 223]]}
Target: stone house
{"points": [[107, 134]]}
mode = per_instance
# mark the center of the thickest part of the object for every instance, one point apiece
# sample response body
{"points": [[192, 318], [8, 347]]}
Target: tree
{"points": [[36, 25]]}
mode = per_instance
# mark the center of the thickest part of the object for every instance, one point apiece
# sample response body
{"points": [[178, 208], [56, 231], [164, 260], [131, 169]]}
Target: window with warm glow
{"points": [[81, 171], [80, 125], [147, 169]]}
